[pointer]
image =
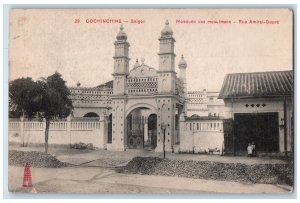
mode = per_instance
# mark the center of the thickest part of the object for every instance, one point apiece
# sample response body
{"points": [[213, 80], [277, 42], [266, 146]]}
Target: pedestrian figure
{"points": [[253, 149], [249, 150]]}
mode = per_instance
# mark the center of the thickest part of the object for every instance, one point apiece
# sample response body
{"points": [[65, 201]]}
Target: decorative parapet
{"points": [[142, 85]]}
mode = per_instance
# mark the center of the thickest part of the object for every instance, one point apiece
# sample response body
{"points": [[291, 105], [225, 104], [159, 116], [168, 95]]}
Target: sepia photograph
{"points": [[151, 101]]}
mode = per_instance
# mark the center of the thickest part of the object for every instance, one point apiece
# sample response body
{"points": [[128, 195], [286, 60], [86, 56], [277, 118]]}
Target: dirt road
{"points": [[99, 180]]}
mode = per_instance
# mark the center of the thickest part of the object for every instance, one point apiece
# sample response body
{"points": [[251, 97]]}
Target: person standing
{"points": [[253, 149], [249, 150]]}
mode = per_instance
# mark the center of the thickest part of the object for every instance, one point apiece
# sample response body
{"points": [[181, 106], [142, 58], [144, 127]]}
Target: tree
{"points": [[23, 97], [47, 98], [55, 101]]}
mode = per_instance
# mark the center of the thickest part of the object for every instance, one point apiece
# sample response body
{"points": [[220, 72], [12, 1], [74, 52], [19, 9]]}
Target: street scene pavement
{"points": [[97, 171]]}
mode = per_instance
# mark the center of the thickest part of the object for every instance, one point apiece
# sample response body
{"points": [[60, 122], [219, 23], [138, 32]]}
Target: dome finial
{"points": [[121, 35], [136, 63], [182, 62], [143, 60], [167, 31]]}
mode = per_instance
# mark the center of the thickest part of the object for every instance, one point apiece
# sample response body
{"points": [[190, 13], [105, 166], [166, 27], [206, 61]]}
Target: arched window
{"points": [[91, 114]]}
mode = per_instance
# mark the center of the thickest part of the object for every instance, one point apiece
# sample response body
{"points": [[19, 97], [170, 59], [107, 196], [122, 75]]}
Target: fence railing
{"points": [[210, 125], [14, 125], [56, 125], [85, 125], [33, 125]]}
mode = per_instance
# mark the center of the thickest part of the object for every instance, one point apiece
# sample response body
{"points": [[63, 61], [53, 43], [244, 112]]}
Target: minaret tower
{"points": [[166, 71], [121, 71], [121, 63], [182, 65], [166, 99]]}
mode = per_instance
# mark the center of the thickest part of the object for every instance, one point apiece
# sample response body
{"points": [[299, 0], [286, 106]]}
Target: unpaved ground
{"points": [[93, 172], [99, 180]]}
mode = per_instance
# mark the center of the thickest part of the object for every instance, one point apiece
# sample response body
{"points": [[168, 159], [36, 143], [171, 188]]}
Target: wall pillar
{"points": [[69, 120], [165, 117], [104, 130], [118, 124], [22, 131]]}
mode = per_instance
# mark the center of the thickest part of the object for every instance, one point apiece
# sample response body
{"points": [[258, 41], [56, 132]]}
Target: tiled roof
{"points": [[260, 84], [108, 84], [104, 86]]}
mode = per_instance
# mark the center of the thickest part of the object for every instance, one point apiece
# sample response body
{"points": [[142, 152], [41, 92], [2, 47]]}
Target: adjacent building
{"points": [[261, 108], [204, 103]]}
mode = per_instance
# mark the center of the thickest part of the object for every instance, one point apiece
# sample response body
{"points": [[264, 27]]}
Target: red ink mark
{"points": [[77, 20], [102, 21], [27, 176]]}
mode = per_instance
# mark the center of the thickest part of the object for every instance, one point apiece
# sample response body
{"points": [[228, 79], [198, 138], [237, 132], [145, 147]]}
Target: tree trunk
{"points": [[47, 134]]}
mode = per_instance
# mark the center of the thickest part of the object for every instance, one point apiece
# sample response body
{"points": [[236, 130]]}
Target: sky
{"points": [[42, 41]]}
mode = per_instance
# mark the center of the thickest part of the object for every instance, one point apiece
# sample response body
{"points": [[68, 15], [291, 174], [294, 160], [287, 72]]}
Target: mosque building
{"points": [[143, 102]]}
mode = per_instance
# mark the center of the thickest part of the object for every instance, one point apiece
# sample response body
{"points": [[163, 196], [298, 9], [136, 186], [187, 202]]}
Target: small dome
{"points": [[167, 30], [182, 62], [136, 64], [121, 35]]}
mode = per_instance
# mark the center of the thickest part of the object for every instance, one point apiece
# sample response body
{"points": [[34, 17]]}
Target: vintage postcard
{"points": [[151, 101]]}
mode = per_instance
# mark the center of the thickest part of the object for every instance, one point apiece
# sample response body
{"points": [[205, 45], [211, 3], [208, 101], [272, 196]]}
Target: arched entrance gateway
{"points": [[141, 129], [138, 118], [145, 99]]}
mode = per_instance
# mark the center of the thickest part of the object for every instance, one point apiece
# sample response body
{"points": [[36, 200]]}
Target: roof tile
{"points": [[259, 84]]}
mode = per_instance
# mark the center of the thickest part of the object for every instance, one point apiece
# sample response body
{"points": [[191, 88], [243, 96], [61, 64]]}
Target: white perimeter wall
{"points": [[64, 133], [200, 136]]}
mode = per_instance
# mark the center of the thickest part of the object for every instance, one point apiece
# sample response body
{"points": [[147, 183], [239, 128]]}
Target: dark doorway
{"points": [[135, 132], [152, 132], [109, 129], [260, 128], [228, 136]]}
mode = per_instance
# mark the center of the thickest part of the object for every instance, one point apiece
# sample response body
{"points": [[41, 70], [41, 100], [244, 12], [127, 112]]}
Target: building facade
{"points": [[143, 104]]}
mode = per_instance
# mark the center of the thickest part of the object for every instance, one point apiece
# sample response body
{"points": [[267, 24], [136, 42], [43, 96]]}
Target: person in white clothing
{"points": [[249, 150]]}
